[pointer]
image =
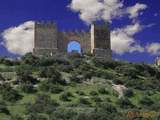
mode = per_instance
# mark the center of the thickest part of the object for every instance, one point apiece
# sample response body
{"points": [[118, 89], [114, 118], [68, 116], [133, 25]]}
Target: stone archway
{"points": [[74, 46], [82, 38]]}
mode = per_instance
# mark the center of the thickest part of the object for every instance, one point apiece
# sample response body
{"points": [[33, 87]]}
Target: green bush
{"points": [[43, 104], [129, 93], [97, 99], [25, 77], [146, 101], [93, 93], [125, 103], [118, 81], [3, 108], [28, 88], [2, 78], [30, 59], [66, 96], [76, 78], [80, 92], [53, 88], [102, 90], [16, 117], [83, 100], [32, 116], [9, 94], [106, 64]]}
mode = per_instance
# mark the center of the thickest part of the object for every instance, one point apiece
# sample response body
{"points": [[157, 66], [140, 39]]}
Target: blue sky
{"points": [[16, 12]]}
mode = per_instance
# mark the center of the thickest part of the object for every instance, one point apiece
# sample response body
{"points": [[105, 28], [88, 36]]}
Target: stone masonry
{"points": [[48, 41]]}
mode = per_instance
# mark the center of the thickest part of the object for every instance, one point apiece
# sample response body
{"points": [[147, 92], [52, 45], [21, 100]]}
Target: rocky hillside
{"points": [[74, 87]]}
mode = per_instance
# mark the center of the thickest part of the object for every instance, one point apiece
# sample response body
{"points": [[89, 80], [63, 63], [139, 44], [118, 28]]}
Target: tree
{"points": [[9, 94], [30, 59], [25, 77]]}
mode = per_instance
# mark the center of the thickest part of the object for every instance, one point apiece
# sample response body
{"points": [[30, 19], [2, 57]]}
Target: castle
{"points": [[49, 41]]}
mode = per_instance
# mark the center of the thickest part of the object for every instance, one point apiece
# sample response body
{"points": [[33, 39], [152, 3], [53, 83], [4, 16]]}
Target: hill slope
{"points": [[75, 87]]}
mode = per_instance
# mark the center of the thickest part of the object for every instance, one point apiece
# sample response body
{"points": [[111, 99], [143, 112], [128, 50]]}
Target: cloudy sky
{"points": [[135, 25]]}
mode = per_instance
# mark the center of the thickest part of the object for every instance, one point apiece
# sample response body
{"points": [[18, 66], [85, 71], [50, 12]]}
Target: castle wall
{"points": [[49, 41]]}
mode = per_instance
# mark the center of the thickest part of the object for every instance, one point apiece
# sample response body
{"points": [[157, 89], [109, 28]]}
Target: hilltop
{"points": [[75, 87]]}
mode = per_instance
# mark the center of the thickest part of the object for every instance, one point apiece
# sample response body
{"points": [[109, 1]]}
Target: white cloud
{"points": [[122, 39], [153, 48], [89, 10], [92, 10], [20, 39], [135, 11]]}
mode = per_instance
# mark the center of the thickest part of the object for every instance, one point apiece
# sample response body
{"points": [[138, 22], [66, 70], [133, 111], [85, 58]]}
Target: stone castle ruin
{"points": [[49, 41]]}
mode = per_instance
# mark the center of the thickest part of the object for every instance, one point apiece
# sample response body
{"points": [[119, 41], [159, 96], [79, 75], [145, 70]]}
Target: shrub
{"points": [[102, 90], [125, 103], [64, 114], [16, 117], [42, 104], [146, 101], [75, 77], [66, 96], [65, 68], [32, 116], [129, 93], [106, 64], [9, 94], [118, 81], [97, 99], [83, 100], [24, 77], [128, 71], [49, 72], [93, 93], [53, 75], [47, 87], [3, 108], [30, 59], [109, 108], [104, 74], [80, 92], [27, 88], [2, 78], [56, 89]]}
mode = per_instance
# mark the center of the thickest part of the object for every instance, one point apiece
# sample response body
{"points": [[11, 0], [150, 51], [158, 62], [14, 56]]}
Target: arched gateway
{"points": [[49, 41]]}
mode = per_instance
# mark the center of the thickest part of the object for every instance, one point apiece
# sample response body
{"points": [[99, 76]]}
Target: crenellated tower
{"points": [[45, 38], [100, 40]]}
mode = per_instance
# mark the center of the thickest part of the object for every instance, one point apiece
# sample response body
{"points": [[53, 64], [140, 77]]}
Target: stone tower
{"points": [[157, 61], [48, 41], [100, 41], [45, 39]]}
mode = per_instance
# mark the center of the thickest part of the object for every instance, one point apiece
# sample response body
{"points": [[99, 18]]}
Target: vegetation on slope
{"points": [[77, 87]]}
